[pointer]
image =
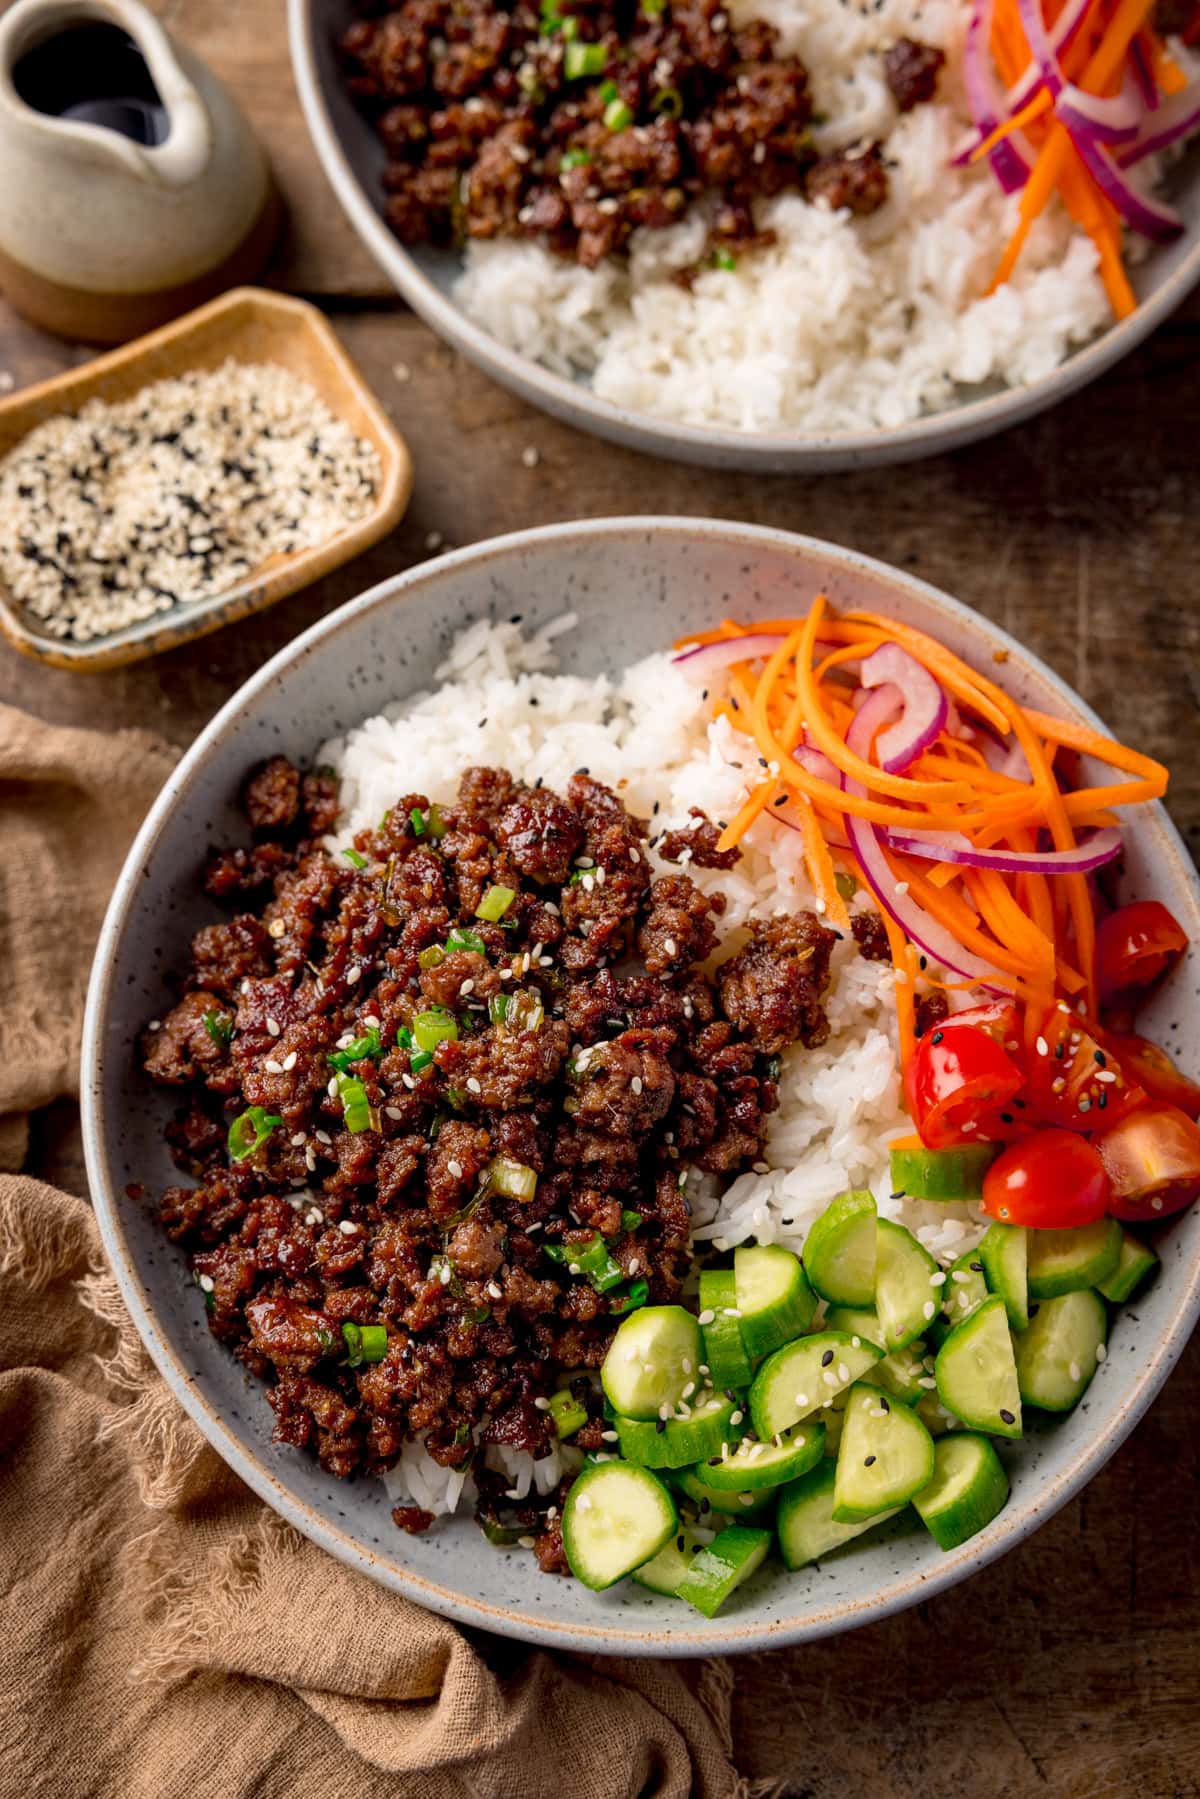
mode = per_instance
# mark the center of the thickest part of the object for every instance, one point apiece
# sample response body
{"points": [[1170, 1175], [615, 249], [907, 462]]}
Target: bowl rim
{"points": [[718, 445], [829, 1617]]}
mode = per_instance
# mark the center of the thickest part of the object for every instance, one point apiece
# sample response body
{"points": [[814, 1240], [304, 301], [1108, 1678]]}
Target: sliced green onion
{"points": [[846, 885], [219, 1028], [432, 957], [364, 1048], [607, 90], [591, 1259], [480, 1315], [419, 1059], [618, 116], [354, 857], [498, 1008], [435, 824], [525, 1012], [774, 1067], [654, 9], [569, 28], [575, 159], [630, 1220], [502, 1536], [724, 259], [324, 1339], [668, 100], [434, 1027], [364, 1343], [566, 1413], [250, 1130], [495, 903], [462, 939], [357, 1112], [636, 1294], [418, 822], [584, 59], [515, 1180]]}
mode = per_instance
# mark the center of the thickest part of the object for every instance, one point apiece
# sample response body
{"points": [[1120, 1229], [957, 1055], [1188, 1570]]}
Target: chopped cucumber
{"points": [[752, 1467], [724, 1352], [898, 1374], [934, 1416], [839, 1251], [965, 1290], [751, 1507], [1137, 1259], [615, 1519], [968, 1489], [804, 1375], [774, 1299], [886, 1455], [678, 1442], [664, 1572], [715, 1572], [1057, 1355], [949, 1174], [977, 1373], [1066, 1261], [905, 1297], [832, 1417], [856, 1321], [1004, 1253], [805, 1523], [657, 1350]]}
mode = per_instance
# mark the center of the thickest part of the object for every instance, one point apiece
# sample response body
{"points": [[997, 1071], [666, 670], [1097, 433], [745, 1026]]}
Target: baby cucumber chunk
{"points": [[753, 1467], [615, 1519], [964, 1292], [657, 1350], [906, 1298], [968, 1489], [724, 1352], [751, 1508], [774, 1300], [1004, 1253], [1066, 1261], [976, 1372], [678, 1442], [805, 1523], [899, 1374], [804, 1375], [839, 1251], [947, 1174], [1136, 1261], [731, 1558], [885, 1456], [664, 1571], [1057, 1355]]}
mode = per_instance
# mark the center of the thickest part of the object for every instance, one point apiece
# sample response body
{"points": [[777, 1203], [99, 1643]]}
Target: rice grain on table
{"points": [[174, 495], [646, 733]]}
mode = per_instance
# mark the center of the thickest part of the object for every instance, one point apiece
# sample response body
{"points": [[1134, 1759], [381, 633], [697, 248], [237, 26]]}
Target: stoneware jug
{"points": [[131, 187]]}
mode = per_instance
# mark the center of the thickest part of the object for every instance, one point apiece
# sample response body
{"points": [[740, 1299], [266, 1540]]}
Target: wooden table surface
{"points": [[1072, 1668]]}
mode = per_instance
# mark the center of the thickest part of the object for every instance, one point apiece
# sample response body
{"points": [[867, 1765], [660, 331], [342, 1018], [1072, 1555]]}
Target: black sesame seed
{"points": [[869, 1462], [1008, 1417], [827, 1358], [937, 1037]]}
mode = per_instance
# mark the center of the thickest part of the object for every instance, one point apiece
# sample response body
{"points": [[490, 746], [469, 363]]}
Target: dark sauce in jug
{"points": [[93, 75]]}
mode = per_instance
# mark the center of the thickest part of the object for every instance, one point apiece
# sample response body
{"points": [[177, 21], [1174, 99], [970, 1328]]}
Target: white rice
{"points": [[844, 324], [649, 735]]}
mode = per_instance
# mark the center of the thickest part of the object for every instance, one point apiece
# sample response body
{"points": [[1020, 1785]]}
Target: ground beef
{"points": [[854, 179], [870, 934], [698, 844], [442, 1192], [911, 71], [931, 1010], [490, 129], [772, 989]]}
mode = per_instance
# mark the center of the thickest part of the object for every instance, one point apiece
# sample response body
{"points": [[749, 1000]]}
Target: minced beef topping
{"points": [[435, 1189], [578, 123]]}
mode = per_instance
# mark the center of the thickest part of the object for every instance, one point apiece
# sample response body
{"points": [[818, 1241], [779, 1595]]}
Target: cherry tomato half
{"points": [[1052, 1180], [1153, 1069], [958, 1077], [1072, 1082], [1152, 1159], [1000, 1018], [1135, 947]]}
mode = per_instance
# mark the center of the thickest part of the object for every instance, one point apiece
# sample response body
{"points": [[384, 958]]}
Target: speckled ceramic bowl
{"points": [[635, 584], [353, 159]]}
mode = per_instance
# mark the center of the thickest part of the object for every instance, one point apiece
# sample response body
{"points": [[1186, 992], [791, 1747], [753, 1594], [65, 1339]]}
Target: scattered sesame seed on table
{"points": [[174, 495]]}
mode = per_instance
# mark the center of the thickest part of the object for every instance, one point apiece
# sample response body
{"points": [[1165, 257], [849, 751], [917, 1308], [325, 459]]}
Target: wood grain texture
{"points": [[1071, 1668]]}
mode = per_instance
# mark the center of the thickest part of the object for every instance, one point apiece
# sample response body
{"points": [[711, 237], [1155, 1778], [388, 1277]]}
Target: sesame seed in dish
{"points": [[174, 495]]}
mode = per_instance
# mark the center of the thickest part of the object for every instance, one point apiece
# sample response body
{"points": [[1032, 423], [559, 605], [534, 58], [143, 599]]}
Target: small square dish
{"points": [[248, 326]]}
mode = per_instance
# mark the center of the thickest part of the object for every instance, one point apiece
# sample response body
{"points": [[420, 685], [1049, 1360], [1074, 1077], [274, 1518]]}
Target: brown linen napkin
{"points": [[70, 802], [163, 1633]]}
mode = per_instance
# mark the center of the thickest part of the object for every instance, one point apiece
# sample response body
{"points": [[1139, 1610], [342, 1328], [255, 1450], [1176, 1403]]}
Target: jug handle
{"points": [[185, 152]]}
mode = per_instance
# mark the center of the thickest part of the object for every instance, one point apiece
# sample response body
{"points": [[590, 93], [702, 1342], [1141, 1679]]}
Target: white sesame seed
{"points": [[473, 1085], [289, 1061], [493, 1291], [706, 1317], [526, 1542], [1101, 1351], [843, 1372], [530, 457], [332, 1088], [348, 1228], [670, 945], [297, 1140], [455, 1168], [353, 976], [273, 1027], [928, 1309], [393, 1112], [206, 1283], [322, 1137], [938, 1280], [1105, 1075], [313, 1216], [272, 1066], [445, 1273], [410, 1081], [434, 540], [927, 1381], [1042, 1047], [276, 928], [636, 1083], [401, 372]]}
